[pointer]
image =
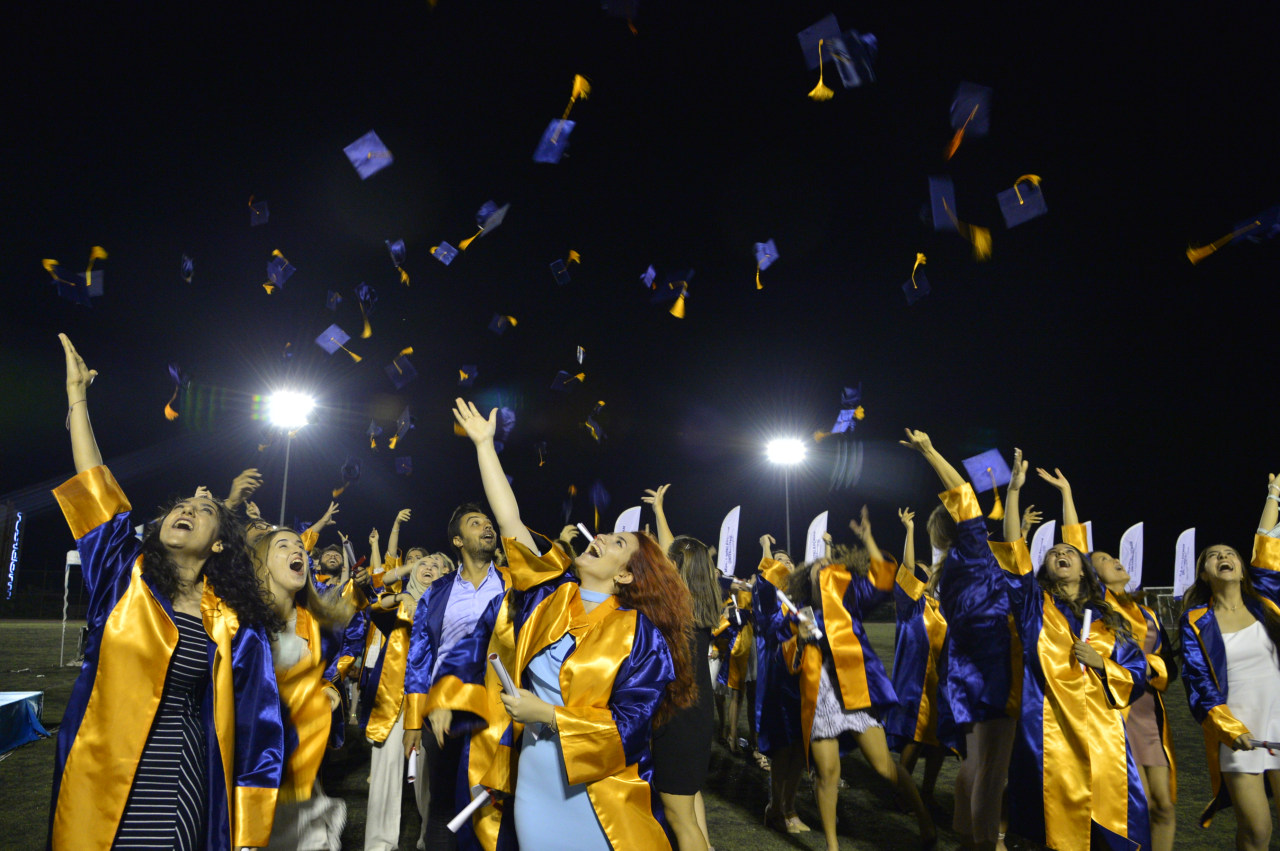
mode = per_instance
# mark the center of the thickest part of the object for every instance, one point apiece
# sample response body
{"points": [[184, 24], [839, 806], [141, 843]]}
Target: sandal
{"points": [[777, 823], [761, 760], [794, 825]]}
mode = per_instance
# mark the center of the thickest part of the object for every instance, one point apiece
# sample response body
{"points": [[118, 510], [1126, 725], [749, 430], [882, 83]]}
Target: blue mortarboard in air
{"points": [[564, 381], [490, 215], [368, 298], [1023, 202], [368, 155], [403, 423], [917, 287], [499, 324], [78, 292], [828, 31], [467, 374], [561, 272], [332, 339], [554, 141], [850, 405], [942, 203], [259, 213], [397, 251], [401, 372], [648, 276], [978, 465], [404, 465], [971, 109], [1261, 227], [855, 56], [599, 496], [593, 427], [672, 287], [350, 472], [333, 300], [373, 431], [188, 268], [502, 432], [279, 270], [766, 253], [444, 252]]}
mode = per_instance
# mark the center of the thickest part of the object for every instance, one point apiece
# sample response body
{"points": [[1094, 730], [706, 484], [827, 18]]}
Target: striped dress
{"points": [[166, 806]]}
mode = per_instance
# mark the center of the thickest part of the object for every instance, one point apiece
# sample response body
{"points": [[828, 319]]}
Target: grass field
{"points": [[736, 794]]}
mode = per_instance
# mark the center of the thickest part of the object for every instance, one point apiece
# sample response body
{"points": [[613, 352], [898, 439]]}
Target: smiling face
{"points": [[191, 528], [782, 558], [1063, 564], [1110, 570], [603, 565], [331, 561], [1221, 564], [476, 536], [429, 568], [283, 564]]}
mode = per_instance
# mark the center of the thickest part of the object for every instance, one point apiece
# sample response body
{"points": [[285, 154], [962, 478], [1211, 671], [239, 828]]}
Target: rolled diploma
{"points": [[590, 537], [782, 598], [412, 769], [509, 686], [1084, 635]]}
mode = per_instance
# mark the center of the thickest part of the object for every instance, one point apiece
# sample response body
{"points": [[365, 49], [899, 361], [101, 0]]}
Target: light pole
{"points": [[289, 411], [786, 451]]}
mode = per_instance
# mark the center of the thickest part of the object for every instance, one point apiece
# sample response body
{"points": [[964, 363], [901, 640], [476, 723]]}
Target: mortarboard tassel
{"points": [[677, 309], [462, 246], [997, 512], [979, 237], [460, 431], [581, 89], [1030, 178], [95, 253], [367, 332], [859, 414], [337, 492], [574, 257], [355, 357], [1195, 255], [169, 413], [50, 266], [919, 262], [819, 436], [820, 91], [955, 140]]}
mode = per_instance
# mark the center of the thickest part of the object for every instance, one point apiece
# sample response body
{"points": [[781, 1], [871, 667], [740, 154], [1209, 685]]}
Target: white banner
{"points": [[727, 552], [1131, 556], [628, 521], [814, 547], [1088, 536], [1184, 565], [1041, 543]]}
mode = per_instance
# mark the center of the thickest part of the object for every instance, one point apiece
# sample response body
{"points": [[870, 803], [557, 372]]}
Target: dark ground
{"points": [[735, 796]]}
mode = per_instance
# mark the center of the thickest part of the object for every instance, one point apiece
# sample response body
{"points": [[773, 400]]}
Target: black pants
{"points": [[443, 765]]}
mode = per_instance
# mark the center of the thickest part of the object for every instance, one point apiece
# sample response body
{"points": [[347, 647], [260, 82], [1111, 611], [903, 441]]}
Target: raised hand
{"points": [[861, 529], [767, 541], [918, 441], [477, 427], [907, 516], [568, 533], [203, 491], [827, 539], [251, 508], [373, 538], [326, 519], [243, 486], [79, 376], [655, 497], [402, 517], [1018, 472], [1058, 480], [1030, 517]]}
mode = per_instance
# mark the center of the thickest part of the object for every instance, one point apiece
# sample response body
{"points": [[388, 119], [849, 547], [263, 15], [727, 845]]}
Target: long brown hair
{"points": [[1091, 593], [328, 608], [1201, 594], [692, 559], [657, 592]]}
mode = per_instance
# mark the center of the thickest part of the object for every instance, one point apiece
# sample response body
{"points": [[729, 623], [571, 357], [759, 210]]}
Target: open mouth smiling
{"points": [[296, 564], [185, 524]]}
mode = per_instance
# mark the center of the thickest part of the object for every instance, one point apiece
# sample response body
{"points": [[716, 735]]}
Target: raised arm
{"points": [[908, 517], [393, 542], [243, 487], [497, 490], [656, 499], [1017, 477], [1059, 481], [766, 544], [883, 570], [920, 442], [375, 554], [84, 448], [1270, 508]]}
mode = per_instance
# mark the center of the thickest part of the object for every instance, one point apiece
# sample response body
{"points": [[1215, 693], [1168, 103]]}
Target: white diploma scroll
{"points": [[806, 618]]}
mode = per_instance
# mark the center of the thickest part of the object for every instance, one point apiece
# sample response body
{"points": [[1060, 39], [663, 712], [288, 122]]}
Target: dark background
{"points": [[1088, 339]]}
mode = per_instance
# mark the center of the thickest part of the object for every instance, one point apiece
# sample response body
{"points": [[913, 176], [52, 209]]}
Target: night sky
{"points": [[1088, 339]]}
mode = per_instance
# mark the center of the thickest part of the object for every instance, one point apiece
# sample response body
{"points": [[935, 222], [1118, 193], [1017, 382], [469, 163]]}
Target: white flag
{"points": [[814, 547], [1088, 536], [628, 521], [1184, 566], [1131, 556], [1041, 543], [727, 552]]}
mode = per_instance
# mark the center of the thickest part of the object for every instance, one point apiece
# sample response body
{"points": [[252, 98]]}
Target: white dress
{"points": [[1253, 696]]}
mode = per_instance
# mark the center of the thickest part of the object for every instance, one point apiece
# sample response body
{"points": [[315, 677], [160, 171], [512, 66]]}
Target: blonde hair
{"points": [[329, 608]]}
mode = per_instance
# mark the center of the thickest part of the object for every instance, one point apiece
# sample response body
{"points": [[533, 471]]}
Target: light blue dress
{"points": [[549, 812]]}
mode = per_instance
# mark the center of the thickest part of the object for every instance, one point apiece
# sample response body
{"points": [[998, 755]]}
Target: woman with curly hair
{"points": [[172, 734], [601, 654]]}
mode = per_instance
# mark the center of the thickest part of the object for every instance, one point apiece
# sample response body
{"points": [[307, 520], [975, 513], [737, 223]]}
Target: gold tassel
{"points": [[355, 357], [367, 332], [677, 309], [997, 513], [597, 526], [818, 436], [337, 492], [919, 262], [462, 246], [404, 277], [581, 88], [391, 444], [270, 289], [96, 253], [1195, 255], [981, 238], [759, 285], [956, 139], [573, 257], [820, 91], [408, 350], [858, 413], [1030, 178], [460, 431]]}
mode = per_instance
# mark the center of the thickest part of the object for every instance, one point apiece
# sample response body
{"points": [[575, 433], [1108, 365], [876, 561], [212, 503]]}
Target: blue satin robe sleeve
{"points": [[764, 605], [351, 645], [422, 655], [467, 659], [1197, 675], [1129, 655], [260, 751], [638, 688], [107, 555], [1265, 568], [861, 597]]}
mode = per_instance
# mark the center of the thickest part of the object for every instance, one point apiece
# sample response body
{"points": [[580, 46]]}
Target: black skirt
{"points": [[682, 746]]}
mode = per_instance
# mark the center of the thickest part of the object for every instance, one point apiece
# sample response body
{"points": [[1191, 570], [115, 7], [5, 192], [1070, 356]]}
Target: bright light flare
{"points": [[290, 410], [785, 450]]}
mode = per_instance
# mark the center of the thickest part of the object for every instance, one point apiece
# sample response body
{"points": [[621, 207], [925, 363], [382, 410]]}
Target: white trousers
{"points": [[386, 788], [312, 825]]}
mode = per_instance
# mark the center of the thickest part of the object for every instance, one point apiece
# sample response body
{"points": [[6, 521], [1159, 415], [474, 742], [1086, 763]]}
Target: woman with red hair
{"points": [[601, 654]]}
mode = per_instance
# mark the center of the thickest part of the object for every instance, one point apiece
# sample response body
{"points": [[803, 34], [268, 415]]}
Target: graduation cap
{"points": [[333, 300], [404, 465], [970, 112], [368, 155], [541, 449], [556, 137], [499, 323], [350, 473], [918, 287], [648, 276], [180, 380], [505, 425], [374, 431], [581, 354], [397, 258], [368, 299], [332, 339], [563, 381], [1265, 225], [599, 500], [561, 272], [851, 410], [83, 285], [444, 252], [188, 268], [592, 426], [467, 375], [279, 270], [826, 30], [1022, 203], [403, 423], [258, 213], [400, 371], [942, 204], [989, 472], [766, 253], [855, 54], [488, 217]]}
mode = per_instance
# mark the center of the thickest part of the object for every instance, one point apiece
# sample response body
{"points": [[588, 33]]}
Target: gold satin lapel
{"points": [[1107, 753], [302, 692], [883, 572], [936, 628], [389, 699], [848, 657], [1076, 535], [525, 569], [221, 624], [546, 625], [1066, 755], [810, 677], [624, 805], [775, 573], [909, 582], [137, 642]]}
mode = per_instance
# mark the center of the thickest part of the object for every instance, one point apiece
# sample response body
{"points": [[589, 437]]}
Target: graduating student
{"points": [[172, 735], [1230, 635]]}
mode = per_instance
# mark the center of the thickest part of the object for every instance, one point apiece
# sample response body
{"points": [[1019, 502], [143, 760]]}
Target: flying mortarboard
{"points": [[502, 430], [368, 299], [87, 284], [1262, 226], [1022, 203], [444, 252], [400, 371], [404, 465], [593, 427], [188, 268], [581, 354], [970, 113], [766, 253], [397, 258], [259, 213], [374, 430], [499, 323], [989, 472], [403, 423], [180, 380], [942, 203], [279, 270], [851, 410], [467, 375], [488, 217], [350, 473], [599, 500], [855, 55], [333, 300], [332, 339], [918, 287], [648, 276], [826, 30], [561, 272], [563, 381], [556, 137], [368, 155]]}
